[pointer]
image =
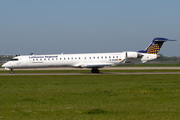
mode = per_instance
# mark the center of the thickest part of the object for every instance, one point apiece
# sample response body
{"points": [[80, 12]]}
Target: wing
{"points": [[94, 65]]}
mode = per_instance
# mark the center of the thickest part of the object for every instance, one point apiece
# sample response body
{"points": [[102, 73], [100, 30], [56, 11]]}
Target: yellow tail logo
{"points": [[154, 49]]}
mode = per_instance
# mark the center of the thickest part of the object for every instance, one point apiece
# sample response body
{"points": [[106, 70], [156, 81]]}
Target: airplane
{"points": [[94, 61]]}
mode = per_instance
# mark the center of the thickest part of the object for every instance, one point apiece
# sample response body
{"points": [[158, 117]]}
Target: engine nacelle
{"points": [[133, 55]]}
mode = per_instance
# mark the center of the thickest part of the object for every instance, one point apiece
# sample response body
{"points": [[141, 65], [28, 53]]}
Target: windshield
{"points": [[14, 59]]}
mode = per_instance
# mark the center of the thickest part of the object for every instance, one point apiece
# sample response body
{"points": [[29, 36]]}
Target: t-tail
{"points": [[155, 45]]}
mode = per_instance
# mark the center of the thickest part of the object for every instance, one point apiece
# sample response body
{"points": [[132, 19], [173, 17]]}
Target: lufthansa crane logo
{"points": [[154, 49]]}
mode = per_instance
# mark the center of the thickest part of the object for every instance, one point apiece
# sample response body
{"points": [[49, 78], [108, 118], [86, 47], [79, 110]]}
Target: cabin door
{"points": [[25, 60]]}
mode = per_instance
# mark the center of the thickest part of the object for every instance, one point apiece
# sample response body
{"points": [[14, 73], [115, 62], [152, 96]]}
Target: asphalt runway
{"points": [[109, 68], [113, 73]]}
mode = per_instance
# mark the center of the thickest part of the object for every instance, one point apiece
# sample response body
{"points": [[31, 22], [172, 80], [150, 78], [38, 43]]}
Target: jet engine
{"points": [[132, 55]]}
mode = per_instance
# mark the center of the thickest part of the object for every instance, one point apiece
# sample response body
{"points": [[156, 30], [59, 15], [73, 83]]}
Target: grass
{"points": [[91, 97]]}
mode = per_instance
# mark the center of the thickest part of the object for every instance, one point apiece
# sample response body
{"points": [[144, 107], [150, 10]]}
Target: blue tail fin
{"points": [[155, 46]]}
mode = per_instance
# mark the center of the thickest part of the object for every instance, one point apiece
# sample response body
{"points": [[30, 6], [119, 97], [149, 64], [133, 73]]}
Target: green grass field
{"points": [[90, 97]]}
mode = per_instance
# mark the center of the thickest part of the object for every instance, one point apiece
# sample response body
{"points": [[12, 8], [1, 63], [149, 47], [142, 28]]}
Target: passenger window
{"points": [[36, 59], [94, 57], [44, 59], [89, 57], [102, 57], [109, 56], [116, 56], [60, 58]]}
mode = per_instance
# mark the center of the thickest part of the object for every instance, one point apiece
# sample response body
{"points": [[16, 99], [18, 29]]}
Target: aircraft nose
{"points": [[3, 65]]}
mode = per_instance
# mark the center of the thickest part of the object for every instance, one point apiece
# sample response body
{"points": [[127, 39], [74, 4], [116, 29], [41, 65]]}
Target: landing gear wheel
{"points": [[95, 70], [12, 72]]}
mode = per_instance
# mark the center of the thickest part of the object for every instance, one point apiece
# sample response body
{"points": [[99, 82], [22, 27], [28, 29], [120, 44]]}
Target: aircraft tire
{"points": [[95, 70], [12, 72]]}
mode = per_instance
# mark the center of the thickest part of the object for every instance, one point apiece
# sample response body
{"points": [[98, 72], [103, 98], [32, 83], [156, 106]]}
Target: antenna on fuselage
{"points": [[31, 53]]}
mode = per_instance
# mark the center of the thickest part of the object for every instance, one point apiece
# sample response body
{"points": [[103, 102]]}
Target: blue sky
{"points": [[69, 26]]}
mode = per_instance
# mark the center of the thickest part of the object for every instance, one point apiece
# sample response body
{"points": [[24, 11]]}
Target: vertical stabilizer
{"points": [[155, 46]]}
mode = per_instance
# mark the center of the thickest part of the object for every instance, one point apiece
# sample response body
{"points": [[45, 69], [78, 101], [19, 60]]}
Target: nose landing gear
{"points": [[12, 72]]}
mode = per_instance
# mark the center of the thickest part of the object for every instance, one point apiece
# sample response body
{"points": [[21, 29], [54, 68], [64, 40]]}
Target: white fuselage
{"points": [[91, 60]]}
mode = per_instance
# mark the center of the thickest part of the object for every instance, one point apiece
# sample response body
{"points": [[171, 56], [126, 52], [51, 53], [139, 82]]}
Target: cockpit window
{"points": [[14, 59]]}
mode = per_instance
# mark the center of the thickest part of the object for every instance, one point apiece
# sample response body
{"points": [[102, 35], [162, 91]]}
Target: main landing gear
{"points": [[95, 70], [12, 72]]}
